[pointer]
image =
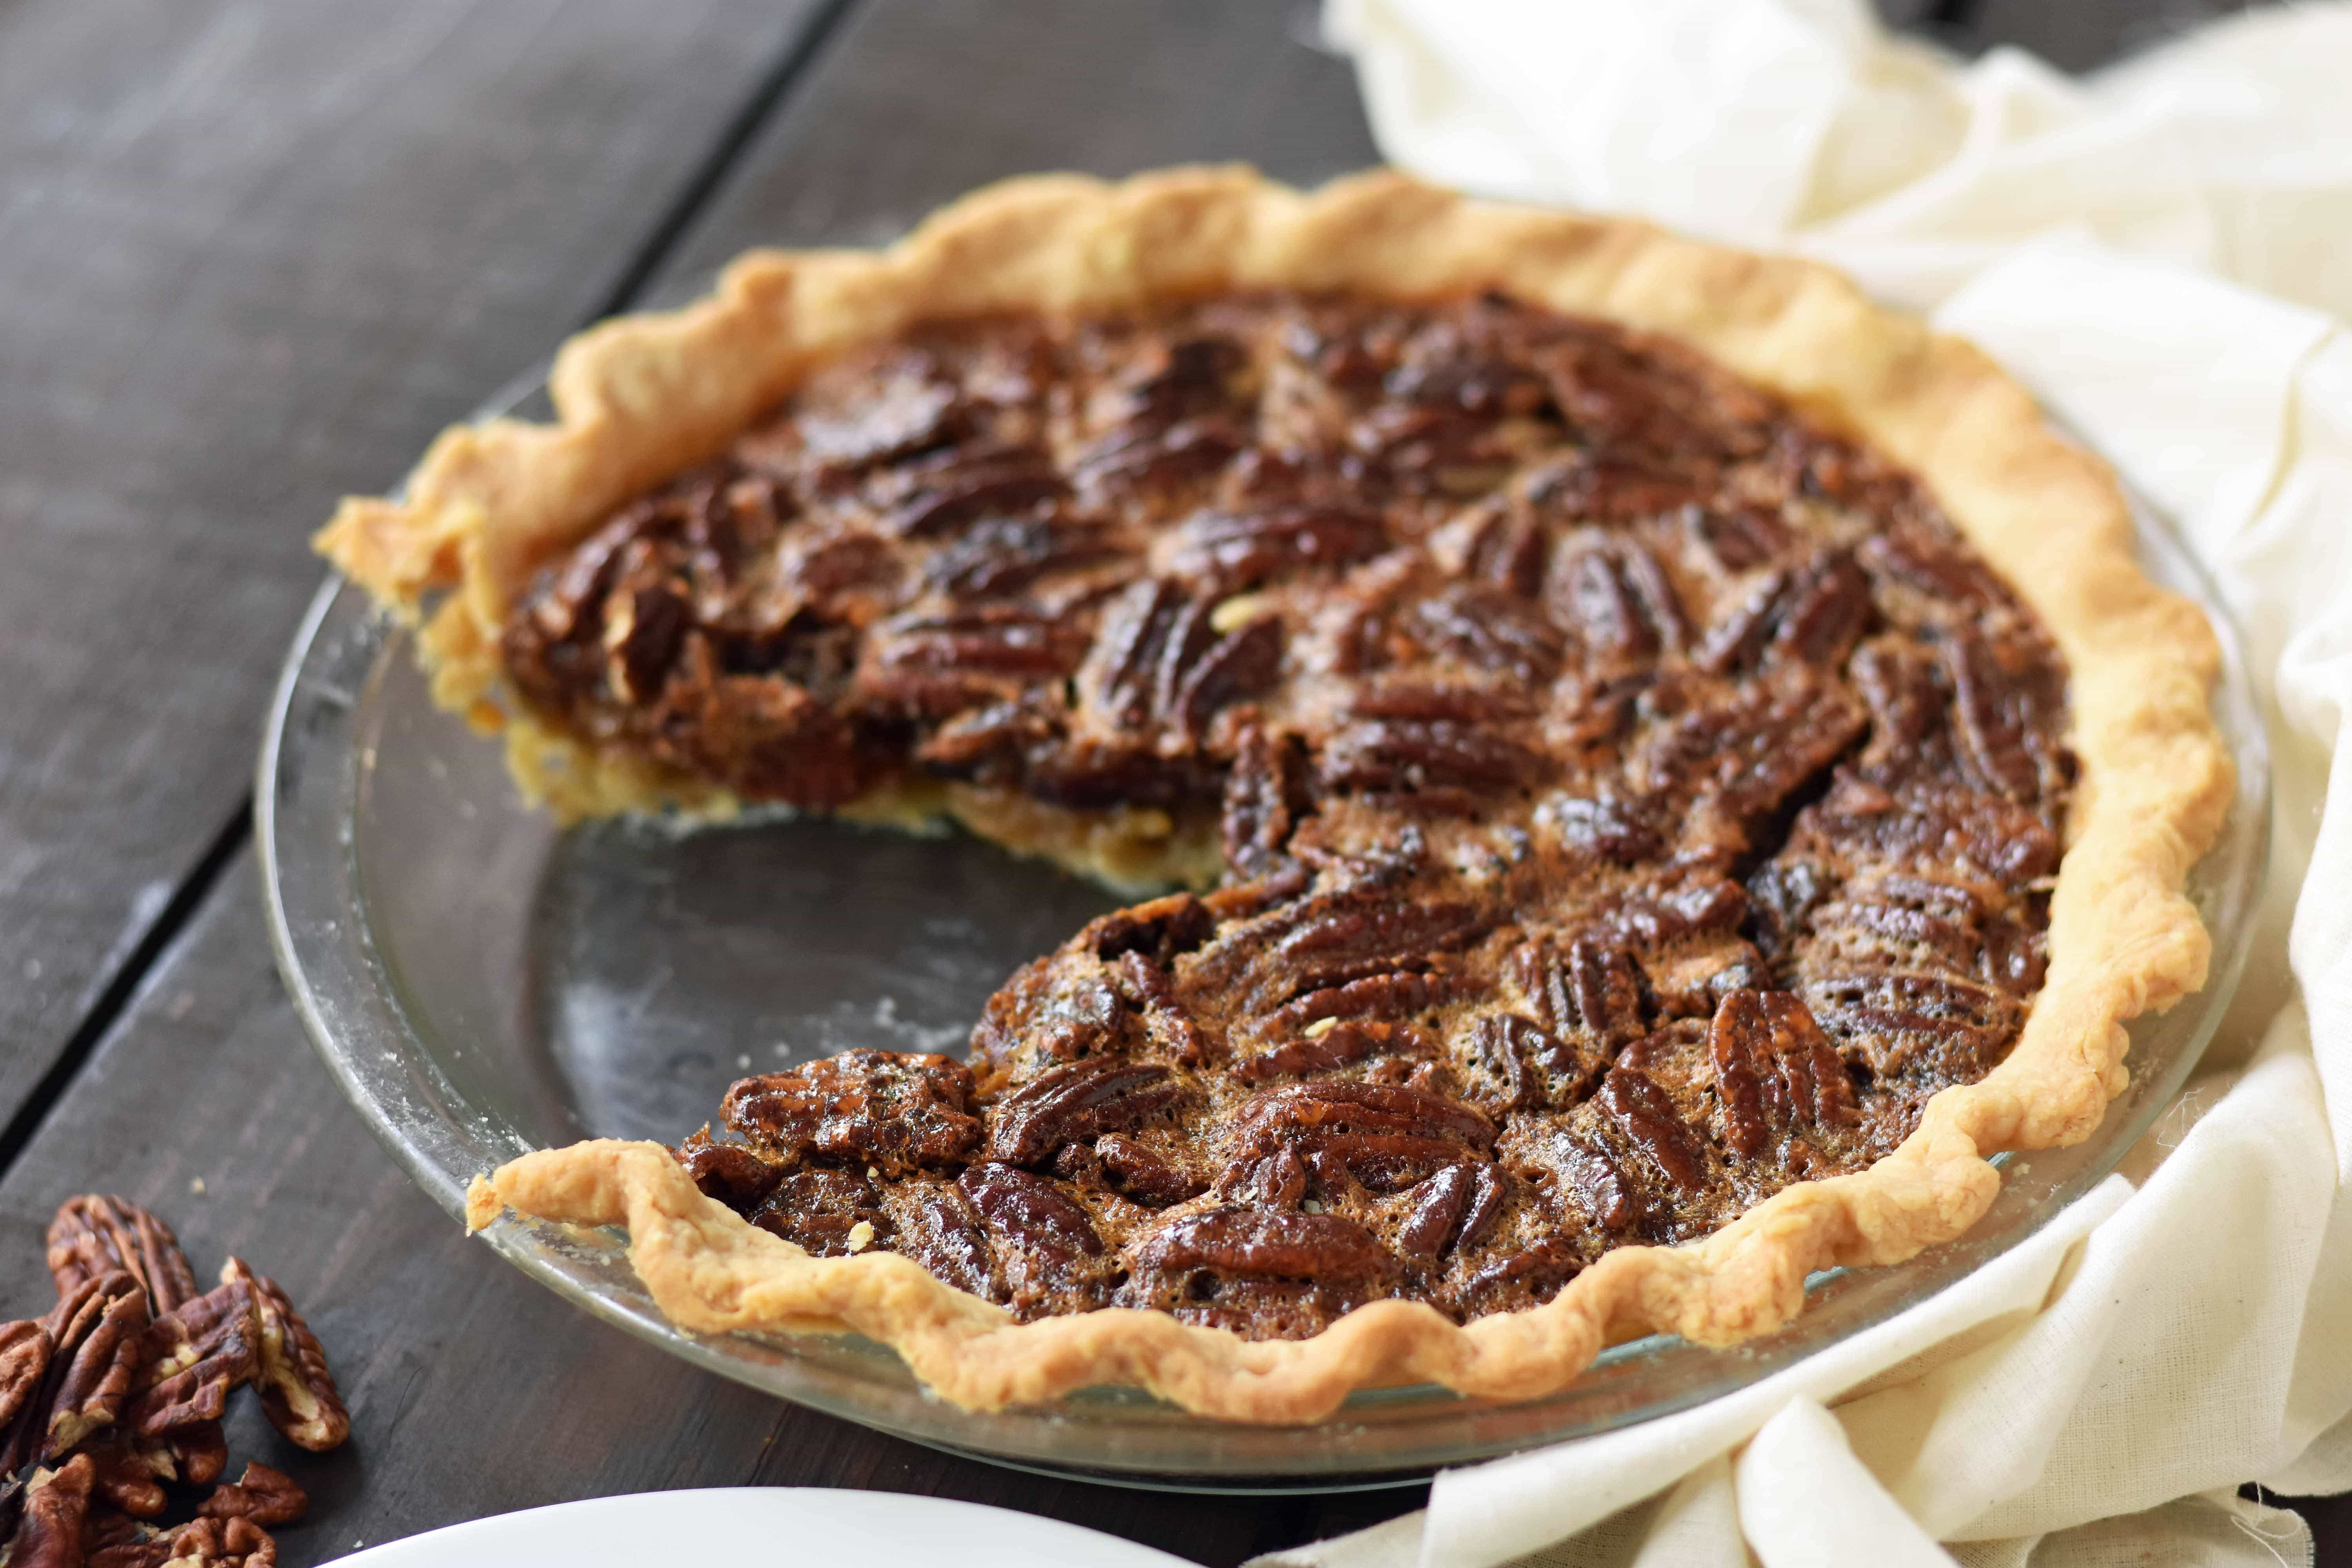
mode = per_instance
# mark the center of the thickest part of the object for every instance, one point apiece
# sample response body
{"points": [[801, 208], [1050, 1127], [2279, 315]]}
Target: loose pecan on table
{"points": [[108, 1403], [298, 1392]]}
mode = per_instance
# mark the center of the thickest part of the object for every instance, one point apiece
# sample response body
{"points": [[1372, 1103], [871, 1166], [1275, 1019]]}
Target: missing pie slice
{"points": [[1666, 766]]}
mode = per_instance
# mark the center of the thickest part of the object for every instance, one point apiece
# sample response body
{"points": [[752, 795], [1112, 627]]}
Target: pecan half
{"points": [[1045, 1246], [1149, 635], [886, 1109], [1625, 1160], [1899, 920], [730, 1173], [1775, 1071], [94, 1234], [110, 1539], [1069, 1104], [1511, 1063], [1145, 1176], [196, 1452], [967, 653], [298, 1392], [1265, 795], [1189, 376], [1144, 464], [126, 1476], [1275, 1181], [1615, 597], [1030, 1212], [906, 409], [1452, 1210], [263, 1495], [1236, 552], [195, 1358], [99, 1332], [1999, 715], [1277, 1245], [25, 1349], [1934, 827], [933, 1223], [1781, 895], [1499, 545], [1815, 613], [1900, 1023], [1609, 830], [1647, 1117], [1492, 631], [1325, 941], [1401, 755], [937, 495], [1275, 1271], [1387, 1137], [56, 1503], [1404, 994], [1741, 539], [1338, 1046], [1581, 987], [1329, 1107], [820, 1210], [1526, 1278], [1001, 556], [1156, 929], [222, 1543]]}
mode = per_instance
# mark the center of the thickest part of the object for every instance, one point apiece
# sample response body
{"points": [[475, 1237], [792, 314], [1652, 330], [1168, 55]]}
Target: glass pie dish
{"points": [[482, 983]]}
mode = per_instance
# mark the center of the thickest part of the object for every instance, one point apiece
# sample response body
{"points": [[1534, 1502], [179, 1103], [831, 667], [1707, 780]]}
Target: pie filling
{"points": [[1635, 797]]}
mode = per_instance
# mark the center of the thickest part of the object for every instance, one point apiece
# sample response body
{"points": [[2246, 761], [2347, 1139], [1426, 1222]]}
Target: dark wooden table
{"points": [[251, 257]]}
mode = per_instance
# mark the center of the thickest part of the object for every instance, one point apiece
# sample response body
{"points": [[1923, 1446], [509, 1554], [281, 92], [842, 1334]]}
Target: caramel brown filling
{"points": [[1635, 797]]}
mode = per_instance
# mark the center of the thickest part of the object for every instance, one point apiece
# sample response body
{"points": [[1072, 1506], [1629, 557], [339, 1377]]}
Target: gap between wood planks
{"points": [[122, 987]]}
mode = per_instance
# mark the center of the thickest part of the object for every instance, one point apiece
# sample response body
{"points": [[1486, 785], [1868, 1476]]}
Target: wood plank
{"points": [[472, 1390], [917, 102], [255, 257]]}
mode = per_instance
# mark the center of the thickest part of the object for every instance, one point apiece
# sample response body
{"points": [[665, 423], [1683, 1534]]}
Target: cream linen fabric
{"points": [[2163, 253]]}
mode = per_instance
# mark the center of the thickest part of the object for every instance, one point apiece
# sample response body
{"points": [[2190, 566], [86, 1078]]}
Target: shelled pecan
{"points": [[105, 1408]]}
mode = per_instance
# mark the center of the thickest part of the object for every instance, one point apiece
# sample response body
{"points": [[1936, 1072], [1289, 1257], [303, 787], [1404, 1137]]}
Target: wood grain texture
{"points": [[251, 257], [916, 101]]}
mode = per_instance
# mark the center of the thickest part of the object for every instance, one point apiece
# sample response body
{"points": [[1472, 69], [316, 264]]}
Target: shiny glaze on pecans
{"points": [[1633, 797]]}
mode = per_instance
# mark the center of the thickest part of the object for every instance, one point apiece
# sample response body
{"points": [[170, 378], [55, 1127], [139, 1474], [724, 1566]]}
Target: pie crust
{"points": [[642, 398]]}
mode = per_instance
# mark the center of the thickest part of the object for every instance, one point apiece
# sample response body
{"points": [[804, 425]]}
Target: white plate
{"points": [[755, 1526]]}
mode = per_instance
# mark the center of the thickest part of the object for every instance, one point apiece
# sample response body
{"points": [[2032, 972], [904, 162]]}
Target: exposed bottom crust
{"points": [[1134, 851]]}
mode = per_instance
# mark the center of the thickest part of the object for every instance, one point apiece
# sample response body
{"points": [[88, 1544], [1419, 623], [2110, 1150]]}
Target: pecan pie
{"points": [[1617, 706]]}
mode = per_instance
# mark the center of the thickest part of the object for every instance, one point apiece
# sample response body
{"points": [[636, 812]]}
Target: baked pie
{"points": [[1662, 766]]}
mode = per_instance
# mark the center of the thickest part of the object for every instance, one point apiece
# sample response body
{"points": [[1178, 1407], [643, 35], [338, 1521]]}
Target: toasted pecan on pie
{"points": [[1618, 704]]}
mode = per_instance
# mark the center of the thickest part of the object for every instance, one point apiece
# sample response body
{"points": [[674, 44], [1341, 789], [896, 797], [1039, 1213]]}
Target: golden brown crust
{"points": [[641, 398]]}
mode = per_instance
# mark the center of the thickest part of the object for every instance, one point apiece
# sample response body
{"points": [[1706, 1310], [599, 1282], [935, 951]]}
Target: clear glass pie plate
{"points": [[482, 983]]}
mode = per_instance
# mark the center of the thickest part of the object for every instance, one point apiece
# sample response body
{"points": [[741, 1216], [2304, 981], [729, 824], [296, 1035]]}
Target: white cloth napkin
{"points": [[2163, 252]]}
